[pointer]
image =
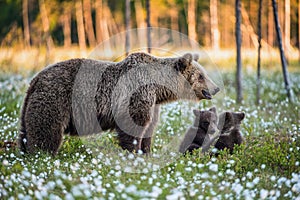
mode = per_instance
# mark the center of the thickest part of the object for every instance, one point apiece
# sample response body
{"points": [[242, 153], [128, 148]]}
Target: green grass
{"points": [[267, 166]]}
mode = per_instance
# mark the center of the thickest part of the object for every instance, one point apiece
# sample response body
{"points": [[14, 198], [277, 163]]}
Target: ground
{"points": [[266, 167]]}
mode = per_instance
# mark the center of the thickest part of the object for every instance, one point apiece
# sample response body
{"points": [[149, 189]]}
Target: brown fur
{"points": [[229, 124], [83, 96], [205, 124]]}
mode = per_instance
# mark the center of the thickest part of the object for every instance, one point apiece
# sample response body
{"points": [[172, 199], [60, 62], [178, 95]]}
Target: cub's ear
{"points": [[228, 116], [196, 112], [196, 57], [240, 116], [183, 62], [213, 109]]}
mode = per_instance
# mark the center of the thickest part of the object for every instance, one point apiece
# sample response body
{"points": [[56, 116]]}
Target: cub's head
{"points": [[206, 120], [230, 120], [195, 74]]}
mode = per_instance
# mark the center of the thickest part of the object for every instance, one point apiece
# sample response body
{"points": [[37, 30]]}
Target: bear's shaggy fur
{"points": [[205, 124], [84, 96], [230, 135]]}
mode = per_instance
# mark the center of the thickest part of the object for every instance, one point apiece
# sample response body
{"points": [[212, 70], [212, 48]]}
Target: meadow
{"points": [[267, 166]]}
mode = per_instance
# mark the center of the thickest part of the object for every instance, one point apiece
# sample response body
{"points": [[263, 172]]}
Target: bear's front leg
{"points": [[147, 137], [128, 142]]}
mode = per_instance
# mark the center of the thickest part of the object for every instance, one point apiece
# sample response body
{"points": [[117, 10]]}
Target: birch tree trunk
{"points": [[283, 60], [299, 28], [127, 26], [88, 22], [141, 23], [215, 33], [192, 20], [238, 36], [66, 25], [259, 48], [46, 25], [148, 25], [26, 23], [98, 20], [287, 23], [270, 24], [80, 25]]}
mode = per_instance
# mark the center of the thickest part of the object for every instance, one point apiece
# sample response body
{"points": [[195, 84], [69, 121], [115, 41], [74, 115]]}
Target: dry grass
{"points": [[29, 60]]}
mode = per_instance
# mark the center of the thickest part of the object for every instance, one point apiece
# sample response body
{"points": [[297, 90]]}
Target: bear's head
{"points": [[229, 121], [195, 74], [206, 120]]}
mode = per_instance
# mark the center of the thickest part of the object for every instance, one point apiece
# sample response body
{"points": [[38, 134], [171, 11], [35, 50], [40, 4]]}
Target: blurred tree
{"points": [[148, 26], [26, 23], [282, 56], [287, 27], [192, 20], [46, 25], [80, 25], [66, 22], [127, 25], [239, 88], [141, 21], [215, 34], [259, 48], [88, 22], [270, 36]]}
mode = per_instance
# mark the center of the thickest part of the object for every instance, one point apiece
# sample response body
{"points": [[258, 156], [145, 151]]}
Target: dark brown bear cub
{"points": [[205, 124], [229, 126]]}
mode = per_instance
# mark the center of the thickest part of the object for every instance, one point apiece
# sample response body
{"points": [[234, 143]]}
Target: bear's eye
{"points": [[205, 124], [201, 77]]}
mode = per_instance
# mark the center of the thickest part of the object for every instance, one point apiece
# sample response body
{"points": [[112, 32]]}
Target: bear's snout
{"points": [[215, 91]]}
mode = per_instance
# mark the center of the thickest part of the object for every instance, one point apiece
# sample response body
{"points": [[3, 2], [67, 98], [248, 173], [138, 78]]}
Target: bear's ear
{"points": [[196, 112], [213, 109], [240, 116], [196, 57], [183, 62], [228, 116]]}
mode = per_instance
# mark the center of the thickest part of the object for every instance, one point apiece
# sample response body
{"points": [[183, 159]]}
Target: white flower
{"points": [[263, 193], [213, 167], [273, 178], [296, 188], [249, 174], [5, 162], [263, 166], [256, 180]]}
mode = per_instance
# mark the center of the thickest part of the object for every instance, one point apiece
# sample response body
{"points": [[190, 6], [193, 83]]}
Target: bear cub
{"points": [[205, 125], [229, 126]]}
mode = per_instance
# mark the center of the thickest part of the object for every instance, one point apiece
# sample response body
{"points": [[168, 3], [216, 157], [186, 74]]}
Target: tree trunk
{"points": [[26, 23], [259, 48], [287, 23], [299, 28], [270, 24], [46, 25], [238, 36], [127, 26], [99, 23], [80, 25], [215, 34], [148, 25], [66, 23], [192, 20], [88, 22], [140, 20], [283, 60]]}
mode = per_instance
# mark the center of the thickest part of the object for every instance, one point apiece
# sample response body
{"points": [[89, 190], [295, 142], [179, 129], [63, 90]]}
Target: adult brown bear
{"points": [[80, 94]]}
